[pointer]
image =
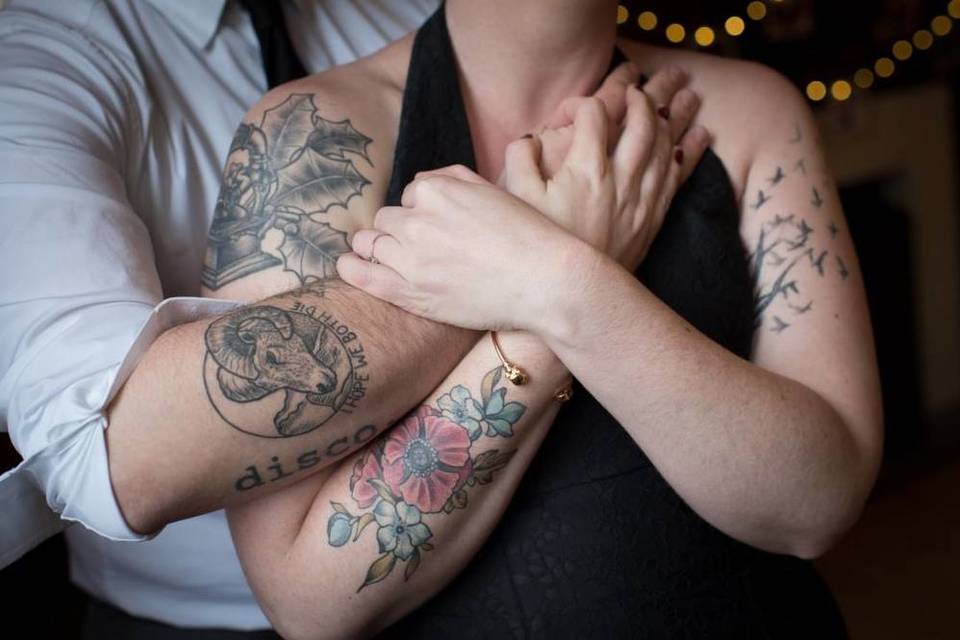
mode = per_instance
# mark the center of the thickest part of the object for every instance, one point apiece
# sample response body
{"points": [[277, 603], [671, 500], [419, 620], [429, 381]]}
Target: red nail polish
{"points": [[678, 156], [664, 112]]}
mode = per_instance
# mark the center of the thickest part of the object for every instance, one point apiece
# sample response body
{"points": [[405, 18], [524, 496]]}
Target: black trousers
{"points": [[103, 621]]}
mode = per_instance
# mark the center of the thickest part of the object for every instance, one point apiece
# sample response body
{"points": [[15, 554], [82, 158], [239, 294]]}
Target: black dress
{"points": [[595, 542]]}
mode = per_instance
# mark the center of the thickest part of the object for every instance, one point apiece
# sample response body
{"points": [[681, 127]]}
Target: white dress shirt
{"points": [[115, 119]]}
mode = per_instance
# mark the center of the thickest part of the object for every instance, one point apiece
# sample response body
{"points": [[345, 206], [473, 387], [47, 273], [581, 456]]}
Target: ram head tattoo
{"points": [[262, 350]]}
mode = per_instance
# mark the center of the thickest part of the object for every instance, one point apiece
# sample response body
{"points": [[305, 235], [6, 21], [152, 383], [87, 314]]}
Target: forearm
{"points": [[219, 411], [323, 566], [760, 456]]}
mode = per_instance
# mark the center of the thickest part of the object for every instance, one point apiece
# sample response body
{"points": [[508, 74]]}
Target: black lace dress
{"points": [[596, 543]]}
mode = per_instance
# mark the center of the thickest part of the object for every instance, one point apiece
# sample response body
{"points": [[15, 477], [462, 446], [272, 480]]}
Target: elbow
{"points": [[828, 521], [298, 618], [137, 507]]}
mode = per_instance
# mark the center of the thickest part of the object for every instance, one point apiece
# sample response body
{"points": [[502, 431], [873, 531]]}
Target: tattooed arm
{"points": [[421, 499], [780, 452], [273, 393], [219, 411]]}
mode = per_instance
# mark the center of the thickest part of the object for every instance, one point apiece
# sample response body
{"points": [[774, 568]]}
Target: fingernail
{"points": [[527, 136], [678, 156], [642, 81], [664, 112]]}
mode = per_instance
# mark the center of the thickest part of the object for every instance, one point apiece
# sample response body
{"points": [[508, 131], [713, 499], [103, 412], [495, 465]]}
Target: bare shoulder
{"points": [[748, 107], [367, 91], [309, 165]]}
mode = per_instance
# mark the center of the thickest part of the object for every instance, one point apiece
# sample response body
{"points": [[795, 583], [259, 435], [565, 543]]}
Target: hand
{"points": [[461, 251], [614, 201]]}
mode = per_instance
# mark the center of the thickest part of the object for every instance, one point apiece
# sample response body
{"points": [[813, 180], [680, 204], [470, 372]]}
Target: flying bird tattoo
{"points": [[817, 263], [779, 326], [800, 310], [843, 268], [762, 199], [777, 177], [817, 200]]}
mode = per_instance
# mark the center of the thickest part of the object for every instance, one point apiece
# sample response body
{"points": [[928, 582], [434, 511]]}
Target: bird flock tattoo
{"points": [[284, 174], [789, 242]]}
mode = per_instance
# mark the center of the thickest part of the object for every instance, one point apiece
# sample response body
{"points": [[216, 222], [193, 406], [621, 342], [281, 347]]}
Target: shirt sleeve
{"points": [[79, 290]]}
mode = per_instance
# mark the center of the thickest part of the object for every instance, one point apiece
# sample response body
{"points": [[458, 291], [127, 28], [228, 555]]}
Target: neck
{"points": [[519, 60]]}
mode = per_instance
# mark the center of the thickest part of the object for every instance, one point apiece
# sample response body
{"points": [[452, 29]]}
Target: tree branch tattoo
{"points": [[423, 467], [786, 244], [300, 362], [284, 174]]}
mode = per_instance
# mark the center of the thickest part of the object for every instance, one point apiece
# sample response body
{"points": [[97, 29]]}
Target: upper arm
{"points": [[813, 325], [304, 171]]}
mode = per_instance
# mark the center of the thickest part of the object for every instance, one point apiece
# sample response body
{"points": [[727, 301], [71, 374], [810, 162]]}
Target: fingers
{"points": [[458, 171], [687, 156], [610, 93], [683, 109], [636, 143], [388, 220], [521, 167], [588, 150], [374, 243], [447, 179], [378, 280], [662, 88]]}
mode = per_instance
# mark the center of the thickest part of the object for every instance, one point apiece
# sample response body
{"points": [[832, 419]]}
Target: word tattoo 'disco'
{"points": [[284, 174], [786, 244], [300, 363], [421, 468]]}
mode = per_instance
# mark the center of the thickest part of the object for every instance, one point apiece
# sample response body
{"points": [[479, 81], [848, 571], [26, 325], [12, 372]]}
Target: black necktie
{"points": [[280, 61]]}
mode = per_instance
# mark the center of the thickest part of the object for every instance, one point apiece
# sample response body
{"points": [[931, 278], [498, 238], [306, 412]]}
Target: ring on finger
{"points": [[372, 258]]}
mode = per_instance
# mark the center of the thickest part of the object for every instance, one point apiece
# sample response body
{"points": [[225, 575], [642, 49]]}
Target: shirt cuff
{"points": [[71, 475]]}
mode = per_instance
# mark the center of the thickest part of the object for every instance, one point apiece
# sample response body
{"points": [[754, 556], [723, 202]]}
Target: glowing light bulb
{"points": [[863, 78], [647, 20], [884, 67], [676, 33], [902, 50], [757, 10], [704, 36], [816, 91], [941, 25], [923, 39], [841, 90], [735, 25]]}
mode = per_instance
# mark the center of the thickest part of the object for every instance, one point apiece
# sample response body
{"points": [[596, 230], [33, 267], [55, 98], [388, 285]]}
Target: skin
{"points": [[279, 534], [779, 452], [815, 469]]}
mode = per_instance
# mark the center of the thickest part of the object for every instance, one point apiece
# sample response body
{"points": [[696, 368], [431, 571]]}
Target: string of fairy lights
{"points": [[840, 89]]}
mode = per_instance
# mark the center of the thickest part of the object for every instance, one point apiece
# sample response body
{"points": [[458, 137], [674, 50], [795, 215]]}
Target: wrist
{"points": [[566, 308]]}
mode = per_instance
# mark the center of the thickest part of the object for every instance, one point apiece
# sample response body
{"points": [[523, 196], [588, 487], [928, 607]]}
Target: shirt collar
{"points": [[197, 20]]}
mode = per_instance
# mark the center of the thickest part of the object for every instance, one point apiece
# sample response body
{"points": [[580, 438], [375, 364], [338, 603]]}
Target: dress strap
{"points": [[434, 130]]}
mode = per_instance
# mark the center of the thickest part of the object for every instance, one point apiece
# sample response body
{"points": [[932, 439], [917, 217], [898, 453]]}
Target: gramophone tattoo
{"points": [[285, 173]]}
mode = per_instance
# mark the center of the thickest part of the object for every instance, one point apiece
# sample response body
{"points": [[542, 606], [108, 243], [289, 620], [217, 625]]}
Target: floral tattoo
{"points": [[424, 467]]}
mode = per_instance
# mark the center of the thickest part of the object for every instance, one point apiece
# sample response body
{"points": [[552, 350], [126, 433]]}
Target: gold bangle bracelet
{"points": [[514, 374]]}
